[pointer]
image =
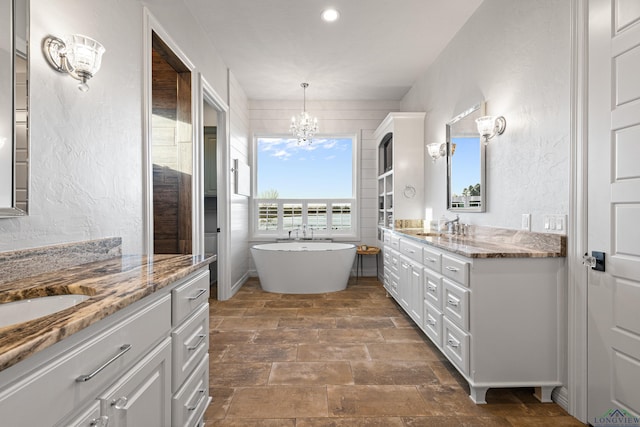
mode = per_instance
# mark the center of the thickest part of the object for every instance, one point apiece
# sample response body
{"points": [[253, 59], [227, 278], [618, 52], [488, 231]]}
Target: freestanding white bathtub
{"points": [[303, 267]]}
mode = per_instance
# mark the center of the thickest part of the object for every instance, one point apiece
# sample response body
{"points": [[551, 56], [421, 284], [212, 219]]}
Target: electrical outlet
{"points": [[526, 222]]}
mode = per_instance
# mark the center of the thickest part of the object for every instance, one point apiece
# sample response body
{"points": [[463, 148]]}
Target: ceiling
{"points": [[375, 51]]}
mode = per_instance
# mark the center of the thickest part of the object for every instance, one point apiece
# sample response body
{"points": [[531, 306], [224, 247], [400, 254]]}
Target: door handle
{"points": [[595, 261]]}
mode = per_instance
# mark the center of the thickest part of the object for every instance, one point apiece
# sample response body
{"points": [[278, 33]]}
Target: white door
{"points": [[614, 212]]}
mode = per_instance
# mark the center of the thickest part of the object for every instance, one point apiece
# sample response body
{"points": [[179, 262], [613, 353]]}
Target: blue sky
{"points": [[466, 164], [322, 169]]}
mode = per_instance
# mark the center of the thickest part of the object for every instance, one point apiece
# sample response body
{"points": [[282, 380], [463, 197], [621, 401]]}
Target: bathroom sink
{"points": [[30, 309]]}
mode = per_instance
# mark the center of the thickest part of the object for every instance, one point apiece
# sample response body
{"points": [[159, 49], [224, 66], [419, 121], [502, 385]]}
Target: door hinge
{"points": [[595, 261]]}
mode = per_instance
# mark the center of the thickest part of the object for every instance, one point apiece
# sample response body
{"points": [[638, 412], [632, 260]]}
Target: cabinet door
{"points": [[416, 301], [142, 396], [404, 285], [89, 417]]}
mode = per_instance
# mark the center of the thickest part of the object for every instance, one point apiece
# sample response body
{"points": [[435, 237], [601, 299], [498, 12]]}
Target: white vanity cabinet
{"points": [[498, 320], [116, 372]]}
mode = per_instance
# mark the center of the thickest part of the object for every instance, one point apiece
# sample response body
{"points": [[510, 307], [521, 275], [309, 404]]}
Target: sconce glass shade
{"points": [[490, 126], [77, 55], [436, 150]]}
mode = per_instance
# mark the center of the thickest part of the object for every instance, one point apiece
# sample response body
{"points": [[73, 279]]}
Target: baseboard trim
{"points": [[560, 395], [236, 286]]}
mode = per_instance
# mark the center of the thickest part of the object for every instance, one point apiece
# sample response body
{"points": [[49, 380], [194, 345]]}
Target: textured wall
{"points": [[515, 56], [86, 148]]}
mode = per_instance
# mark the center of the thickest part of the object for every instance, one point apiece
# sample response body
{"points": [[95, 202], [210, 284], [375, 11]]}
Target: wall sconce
{"points": [[490, 126], [436, 150], [77, 55]]}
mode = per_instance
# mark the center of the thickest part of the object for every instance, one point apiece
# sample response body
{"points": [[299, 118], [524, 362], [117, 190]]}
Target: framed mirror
{"points": [[14, 111], [466, 189]]}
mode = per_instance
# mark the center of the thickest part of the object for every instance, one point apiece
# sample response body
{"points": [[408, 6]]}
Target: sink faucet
{"points": [[450, 224]]}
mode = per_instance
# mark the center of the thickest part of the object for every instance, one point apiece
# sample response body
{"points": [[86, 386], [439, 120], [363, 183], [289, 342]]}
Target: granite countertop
{"points": [[489, 242], [112, 284]]}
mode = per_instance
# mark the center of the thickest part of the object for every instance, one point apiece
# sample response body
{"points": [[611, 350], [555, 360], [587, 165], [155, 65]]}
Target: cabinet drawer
{"points": [[387, 279], [411, 250], [386, 257], [191, 400], [395, 263], [433, 323], [189, 342], [432, 259], [455, 269], [386, 237], [188, 296], [455, 300], [54, 384], [391, 283], [455, 344], [433, 288], [395, 242]]}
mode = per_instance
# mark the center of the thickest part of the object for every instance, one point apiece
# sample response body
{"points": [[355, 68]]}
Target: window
{"points": [[305, 186]]}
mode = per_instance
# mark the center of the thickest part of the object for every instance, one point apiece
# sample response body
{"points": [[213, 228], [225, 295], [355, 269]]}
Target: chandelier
{"points": [[303, 126]]}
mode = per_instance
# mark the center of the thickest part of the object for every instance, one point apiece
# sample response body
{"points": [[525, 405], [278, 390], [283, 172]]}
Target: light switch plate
{"points": [[556, 223]]}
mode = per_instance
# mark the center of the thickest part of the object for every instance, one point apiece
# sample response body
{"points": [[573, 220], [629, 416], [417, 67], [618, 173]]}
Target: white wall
{"points": [[515, 56], [86, 148], [359, 118]]}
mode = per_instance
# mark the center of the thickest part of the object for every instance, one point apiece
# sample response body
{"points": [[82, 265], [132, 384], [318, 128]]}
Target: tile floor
{"points": [[343, 359]]}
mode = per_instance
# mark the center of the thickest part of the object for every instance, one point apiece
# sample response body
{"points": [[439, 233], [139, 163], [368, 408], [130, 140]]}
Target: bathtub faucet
{"points": [[297, 235]]}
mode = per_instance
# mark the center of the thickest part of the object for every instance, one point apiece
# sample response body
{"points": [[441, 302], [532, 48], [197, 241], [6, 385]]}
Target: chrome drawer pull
{"points": [[431, 288], [103, 421], [120, 403], [201, 338], [454, 269], [123, 350], [452, 343], [453, 303], [431, 259], [431, 322], [194, 407], [198, 295], [411, 251]]}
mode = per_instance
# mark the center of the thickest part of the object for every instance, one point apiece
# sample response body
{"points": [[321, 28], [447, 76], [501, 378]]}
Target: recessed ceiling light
{"points": [[330, 15]]}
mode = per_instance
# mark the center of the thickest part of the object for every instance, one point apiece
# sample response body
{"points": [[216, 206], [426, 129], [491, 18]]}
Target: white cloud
{"points": [[282, 154]]}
